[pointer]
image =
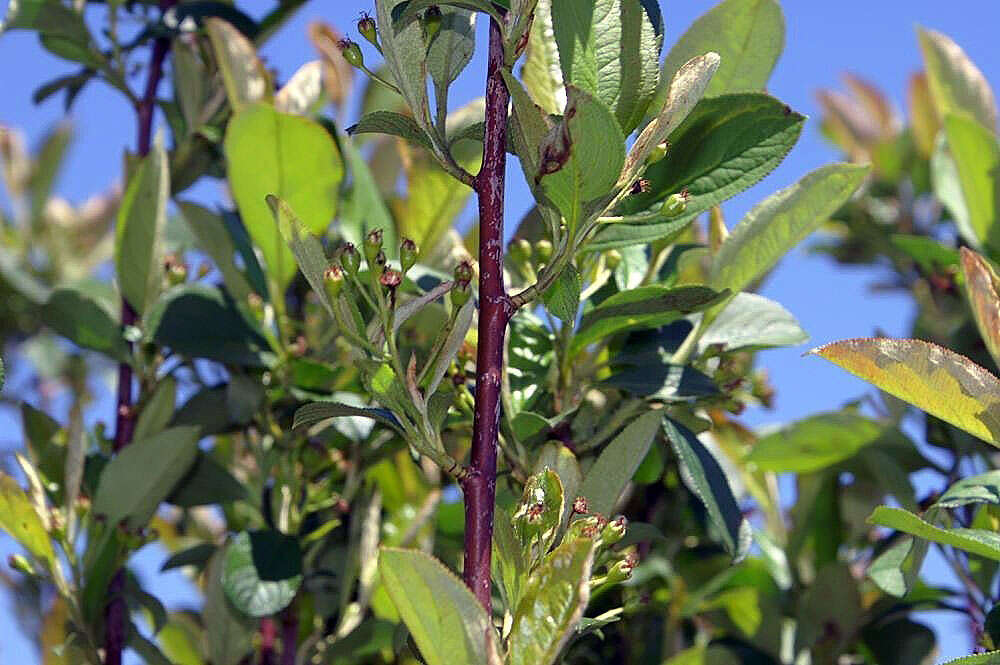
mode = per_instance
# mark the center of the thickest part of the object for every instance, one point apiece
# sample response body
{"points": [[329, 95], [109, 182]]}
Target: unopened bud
{"points": [[589, 527], [460, 294], [520, 251], [351, 52], [463, 272], [368, 29], [379, 263], [614, 531], [333, 280], [432, 22], [675, 204], [407, 254], [543, 251], [350, 260], [621, 570], [373, 245]]}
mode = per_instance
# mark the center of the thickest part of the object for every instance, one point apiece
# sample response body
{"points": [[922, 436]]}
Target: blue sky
{"points": [[872, 38]]}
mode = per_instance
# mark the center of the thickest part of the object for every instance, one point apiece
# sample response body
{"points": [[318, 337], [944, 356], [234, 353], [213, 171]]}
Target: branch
{"points": [[495, 311]]}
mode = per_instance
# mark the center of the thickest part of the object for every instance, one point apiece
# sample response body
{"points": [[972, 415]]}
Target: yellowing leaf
{"points": [[941, 382], [982, 287], [956, 84], [19, 519]]}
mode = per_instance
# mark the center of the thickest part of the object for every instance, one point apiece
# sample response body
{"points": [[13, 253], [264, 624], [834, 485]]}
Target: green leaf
{"points": [[199, 320], [542, 73], [407, 11], [197, 555], [948, 189], [393, 124], [618, 462], [231, 631], [660, 380], [982, 290], [706, 480], [528, 127], [725, 145], [975, 541], [138, 237], [588, 149], [510, 568], [405, 55], [363, 208], [941, 382], [295, 159], [243, 74], [645, 307], [452, 47], [981, 488], [956, 84], [310, 414], [927, 252], [61, 29], [306, 248], [446, 621], [682, 94], [819, 442], [537, 517], [261, 572], [555, 596], [752, 322], [976, 154], [215, 240], [748, 35], [890, 572], [562, 298], [991, 658], [206, 483], [780, 222], [616, 236], [19, 519], [611, 49], [158, 411], [140, 477], [85, 321], [530, 353]]}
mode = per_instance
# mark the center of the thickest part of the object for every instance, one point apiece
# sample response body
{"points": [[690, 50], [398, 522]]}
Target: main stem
{"points": [[116, 611], [495, 310]]}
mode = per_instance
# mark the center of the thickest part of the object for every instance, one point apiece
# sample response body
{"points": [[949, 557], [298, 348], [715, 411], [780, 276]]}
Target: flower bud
{"points": [[432, 22], [675, 204], [658, 153], [589, 528], [351, 52], [390, 278], [543, 251], [519, 251], [333, 279], [20, 564], [614, 531], [407, 254], [373, 245], [368, 29], [379, 263], [581, 506], [350, 260], [464, 273], [621, 570]]}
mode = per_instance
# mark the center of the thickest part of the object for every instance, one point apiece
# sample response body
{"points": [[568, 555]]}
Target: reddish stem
{"points": [[116, 611], [495, 311], [268, 633]]}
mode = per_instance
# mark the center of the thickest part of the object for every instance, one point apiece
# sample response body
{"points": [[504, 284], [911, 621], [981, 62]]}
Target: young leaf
{"points": [[138, 479], [446, 621], [393, 124], [19, 519], [956, 84], [555, 596], [644, 307], [780, 222], [936, 380], [748, 35], [542, 73], [982, 288], [537, 517], [139, 233], [686, 87], [561, 459], [611, 49], [976, 154], [819, 442], [582, 156], [706, 480], [85, 321], [261, 572], [268, 152], [563, 298], [976, 541], [243, 74], [617, 463]]}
